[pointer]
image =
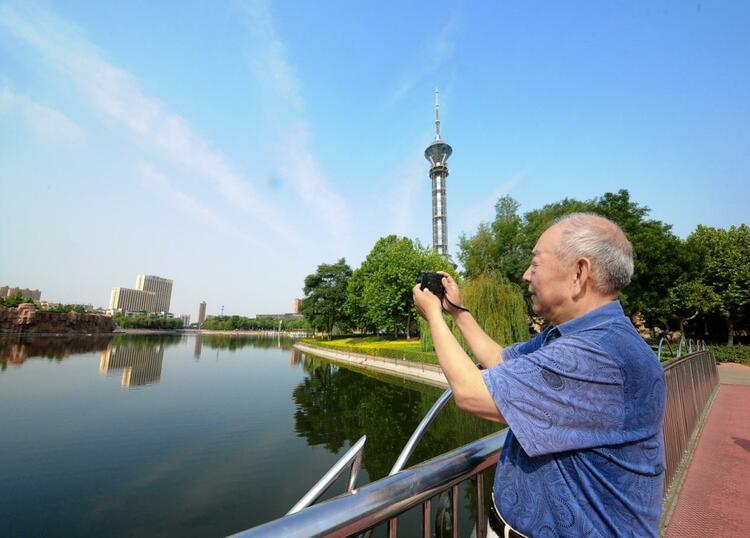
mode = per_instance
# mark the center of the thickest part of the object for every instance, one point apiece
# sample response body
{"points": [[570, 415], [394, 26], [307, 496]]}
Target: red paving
{"points": [[715, 498]]}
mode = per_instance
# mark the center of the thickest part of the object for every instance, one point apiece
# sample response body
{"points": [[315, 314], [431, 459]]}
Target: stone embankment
{"points": [[431, 374], [27, 319]]}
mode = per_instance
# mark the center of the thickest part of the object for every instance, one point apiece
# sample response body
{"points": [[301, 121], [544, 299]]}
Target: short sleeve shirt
{"points": [[585, 454]]}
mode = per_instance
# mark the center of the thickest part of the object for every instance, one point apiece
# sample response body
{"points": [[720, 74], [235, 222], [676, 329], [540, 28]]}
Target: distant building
{"points": [[297, 306], [201, 312], [152, 294], [161, 287], [128, 300], [185, 320], [10, 291]]}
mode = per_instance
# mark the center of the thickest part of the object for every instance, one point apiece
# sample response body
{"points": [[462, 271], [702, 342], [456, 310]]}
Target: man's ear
{"points": [[583, 272]]}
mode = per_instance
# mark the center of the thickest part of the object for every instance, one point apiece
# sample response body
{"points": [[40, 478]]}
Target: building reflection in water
{"points": [[295, 357], [198, 347], [139, 365]]}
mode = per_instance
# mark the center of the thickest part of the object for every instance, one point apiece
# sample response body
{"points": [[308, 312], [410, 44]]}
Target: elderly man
{"points": [[584, 399]]}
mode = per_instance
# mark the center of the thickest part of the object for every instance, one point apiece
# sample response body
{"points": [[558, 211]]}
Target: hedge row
{"points": [[737, 353]]}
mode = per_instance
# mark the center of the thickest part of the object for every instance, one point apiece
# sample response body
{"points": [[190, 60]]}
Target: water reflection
{"points": [[336, 406], [191, 466], [140, 365], [16, 349]]}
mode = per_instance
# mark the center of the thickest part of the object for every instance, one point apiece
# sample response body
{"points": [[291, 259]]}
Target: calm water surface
{"points": [[191, 435]]}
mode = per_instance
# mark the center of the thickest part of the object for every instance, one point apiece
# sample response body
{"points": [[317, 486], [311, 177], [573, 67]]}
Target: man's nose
{"points": [[527, 275]]}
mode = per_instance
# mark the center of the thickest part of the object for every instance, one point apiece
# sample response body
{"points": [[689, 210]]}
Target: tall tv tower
{"points": [[438, 153]]}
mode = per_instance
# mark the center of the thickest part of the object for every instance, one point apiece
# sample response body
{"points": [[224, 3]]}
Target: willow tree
{"points": [[497, 305]]}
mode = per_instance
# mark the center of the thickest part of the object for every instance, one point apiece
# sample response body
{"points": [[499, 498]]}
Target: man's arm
{"points": [[466, 381], [484, 348]]}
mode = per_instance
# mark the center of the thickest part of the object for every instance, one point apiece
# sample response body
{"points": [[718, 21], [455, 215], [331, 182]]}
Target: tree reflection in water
{"points": [[336, 406]]}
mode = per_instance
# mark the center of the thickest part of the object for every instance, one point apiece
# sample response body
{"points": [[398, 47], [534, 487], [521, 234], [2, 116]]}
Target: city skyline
{"points": [[237, 147]]}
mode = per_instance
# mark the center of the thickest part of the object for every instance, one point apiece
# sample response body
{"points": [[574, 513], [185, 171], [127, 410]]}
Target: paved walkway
{"points": [[715, 498], [431, 374]]}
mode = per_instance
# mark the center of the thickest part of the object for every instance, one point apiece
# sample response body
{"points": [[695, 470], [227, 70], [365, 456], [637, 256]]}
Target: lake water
{"points": [[190, 435]]}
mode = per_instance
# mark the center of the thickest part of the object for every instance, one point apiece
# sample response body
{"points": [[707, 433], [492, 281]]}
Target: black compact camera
{"points": [[432, 282]]}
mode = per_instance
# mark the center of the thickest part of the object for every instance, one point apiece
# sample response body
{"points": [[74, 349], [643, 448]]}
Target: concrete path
{"points": [[715, 498], [431, 374]]}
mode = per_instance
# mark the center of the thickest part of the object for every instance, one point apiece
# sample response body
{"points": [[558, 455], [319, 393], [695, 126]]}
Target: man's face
{"points": [[549, 278]]}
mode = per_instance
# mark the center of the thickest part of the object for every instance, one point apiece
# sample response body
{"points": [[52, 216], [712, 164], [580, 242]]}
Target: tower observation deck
{"points": [[438, 153]]}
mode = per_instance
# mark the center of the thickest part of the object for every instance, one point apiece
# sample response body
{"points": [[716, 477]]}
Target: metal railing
{"points": [[691, 381], [385, 499], [700, 345], [352, 459]]}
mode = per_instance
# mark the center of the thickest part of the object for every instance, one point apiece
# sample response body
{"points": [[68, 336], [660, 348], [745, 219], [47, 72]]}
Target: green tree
{"points": [[325, 294], [380, 289], [506, 243], [690, 298], [725, 258], [660, 256]]}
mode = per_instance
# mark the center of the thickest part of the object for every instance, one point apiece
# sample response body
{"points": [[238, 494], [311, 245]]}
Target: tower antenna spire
{"points": [[437, 114]]}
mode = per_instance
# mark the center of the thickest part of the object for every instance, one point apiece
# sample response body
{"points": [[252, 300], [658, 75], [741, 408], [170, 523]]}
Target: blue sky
{"points": [[233, 147]]}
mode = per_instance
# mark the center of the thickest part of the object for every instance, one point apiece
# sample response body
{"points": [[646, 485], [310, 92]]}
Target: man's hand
{"points": [[452, 293], [427, 303]]}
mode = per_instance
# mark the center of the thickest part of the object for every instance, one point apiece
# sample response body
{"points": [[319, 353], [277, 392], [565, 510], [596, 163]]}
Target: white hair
{"points": [[601, 241]]}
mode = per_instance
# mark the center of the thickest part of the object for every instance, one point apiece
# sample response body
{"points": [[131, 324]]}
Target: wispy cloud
{"points": [[159, 184], [116, 93], [430, 59], [44, 120], [296, 161]]}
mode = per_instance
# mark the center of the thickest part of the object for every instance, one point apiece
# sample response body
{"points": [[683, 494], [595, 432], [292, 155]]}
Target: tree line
{"points": [[699, 285], [242, 323]]}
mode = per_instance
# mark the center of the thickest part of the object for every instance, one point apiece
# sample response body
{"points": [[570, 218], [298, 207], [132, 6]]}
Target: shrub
{"points": [[737, 353]]}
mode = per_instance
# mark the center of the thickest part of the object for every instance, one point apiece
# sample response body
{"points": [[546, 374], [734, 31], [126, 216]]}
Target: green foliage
{"points": [[148, 322], [724, 256], [496, 304], [325, 294], [68, 308], [739, 354], [241, 323], [505, 245], [379, 292], [15, 300], [689, 298]]}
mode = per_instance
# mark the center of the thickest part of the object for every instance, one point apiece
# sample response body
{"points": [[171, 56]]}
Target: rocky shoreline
{"points": [[26, 319]]}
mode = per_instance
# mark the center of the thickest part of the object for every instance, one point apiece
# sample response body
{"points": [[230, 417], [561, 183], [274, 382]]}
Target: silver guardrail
{"points": [[691, 381], [385, 499], [352, 460]]}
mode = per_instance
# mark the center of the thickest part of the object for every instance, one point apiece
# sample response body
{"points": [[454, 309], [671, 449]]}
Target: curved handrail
{"points": [[386, 498], [411, 444], [352, 457], [661, 343]]}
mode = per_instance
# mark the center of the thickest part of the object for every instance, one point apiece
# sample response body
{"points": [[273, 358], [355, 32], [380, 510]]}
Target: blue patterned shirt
{"points": [[585, 454]]}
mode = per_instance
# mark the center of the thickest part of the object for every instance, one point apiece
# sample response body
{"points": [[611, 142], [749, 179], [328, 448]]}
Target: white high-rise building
{"points": [[162, 287], [127, 300]]}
